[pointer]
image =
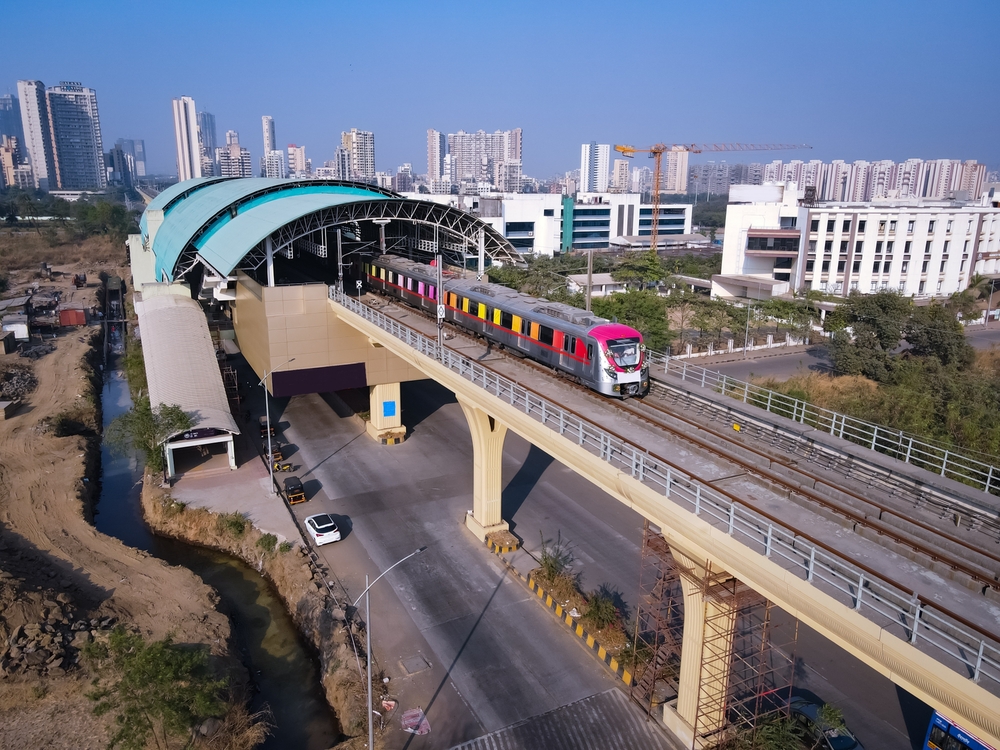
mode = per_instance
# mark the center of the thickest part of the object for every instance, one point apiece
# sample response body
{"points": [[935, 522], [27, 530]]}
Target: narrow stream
{"points": [[284, 673]]}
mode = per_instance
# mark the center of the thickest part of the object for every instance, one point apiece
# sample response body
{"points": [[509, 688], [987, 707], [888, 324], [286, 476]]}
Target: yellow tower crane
{"points": [[656, 153]]}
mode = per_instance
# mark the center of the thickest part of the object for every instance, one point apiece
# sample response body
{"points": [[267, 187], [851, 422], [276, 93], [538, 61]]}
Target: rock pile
{"points": [[16, 382], [51, 646]]}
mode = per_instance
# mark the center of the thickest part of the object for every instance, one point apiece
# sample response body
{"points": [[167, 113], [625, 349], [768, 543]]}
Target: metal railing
{"points": [[897, 444], [956, 643]]}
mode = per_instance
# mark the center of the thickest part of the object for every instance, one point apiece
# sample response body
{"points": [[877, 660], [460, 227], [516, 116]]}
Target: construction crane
{"points": [[656, 153]]}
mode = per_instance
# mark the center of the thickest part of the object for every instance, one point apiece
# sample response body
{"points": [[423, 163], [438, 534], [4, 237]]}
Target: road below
{"points": [[456, 635]]}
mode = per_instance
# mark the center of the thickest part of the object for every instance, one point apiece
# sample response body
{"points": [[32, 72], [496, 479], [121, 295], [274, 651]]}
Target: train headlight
{"points": [[610, 371]]}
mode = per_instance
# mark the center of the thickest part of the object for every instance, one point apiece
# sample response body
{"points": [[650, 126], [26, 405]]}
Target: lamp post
{"points": [[267, 412], [368, 637]]}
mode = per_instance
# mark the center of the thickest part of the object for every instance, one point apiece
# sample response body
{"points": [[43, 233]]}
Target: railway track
{"points": [[641, 411]]}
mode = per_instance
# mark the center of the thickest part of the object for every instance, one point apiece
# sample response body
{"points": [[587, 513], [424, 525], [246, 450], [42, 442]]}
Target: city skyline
{"points": [[906, 104]]}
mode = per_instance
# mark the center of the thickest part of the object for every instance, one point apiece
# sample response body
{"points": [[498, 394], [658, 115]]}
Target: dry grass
{"points": [[836, 392], [25, 249]]}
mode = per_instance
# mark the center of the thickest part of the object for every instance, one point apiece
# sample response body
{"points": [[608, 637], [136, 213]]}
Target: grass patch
{"points": [[267, 542], [285, 547], [232, 524]]}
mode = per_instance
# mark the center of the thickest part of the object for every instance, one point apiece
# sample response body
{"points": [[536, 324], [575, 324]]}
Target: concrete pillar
{"points": [[385, 423], [487, 460], [170, 461], [705, 656], [231, 450]]}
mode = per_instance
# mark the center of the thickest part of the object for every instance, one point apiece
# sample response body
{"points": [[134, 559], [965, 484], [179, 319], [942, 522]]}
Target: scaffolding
{"points": [[747, 656], [659, 624], [230, 381]]}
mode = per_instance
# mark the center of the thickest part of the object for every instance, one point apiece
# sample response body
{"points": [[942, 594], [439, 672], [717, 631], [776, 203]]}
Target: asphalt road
{"points": [[815, 359], [493, 657], [455, 634]]}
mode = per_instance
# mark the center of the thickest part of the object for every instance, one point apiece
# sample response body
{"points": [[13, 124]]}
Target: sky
{"points": [[881, 79]]}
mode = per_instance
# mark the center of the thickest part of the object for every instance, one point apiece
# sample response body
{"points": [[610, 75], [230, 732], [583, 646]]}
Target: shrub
{"points": [[555, 559], [601, 611], [232, 524], [285, 547], [267, 542]]}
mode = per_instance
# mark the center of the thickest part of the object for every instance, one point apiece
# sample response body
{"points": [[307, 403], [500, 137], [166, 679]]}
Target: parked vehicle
{"points": [[80, 280], [262, 421], [323, 529], [818, 734], [294, 491]]}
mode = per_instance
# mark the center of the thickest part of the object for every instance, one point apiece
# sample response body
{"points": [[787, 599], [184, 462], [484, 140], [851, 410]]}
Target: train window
{"points": [[452, 299], [535, 331], [481, 312], [507, 320], [381, 273], [557, 339], [421, 288], [516, 323], [430, 292], [546, 335], [495, 316], [465, 304], [590, 351], [569, 344], [581, 349], [390, 276]]}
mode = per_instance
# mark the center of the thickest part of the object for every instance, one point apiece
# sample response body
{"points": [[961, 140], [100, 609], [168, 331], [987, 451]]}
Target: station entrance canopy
{"points": [[226, 224]]}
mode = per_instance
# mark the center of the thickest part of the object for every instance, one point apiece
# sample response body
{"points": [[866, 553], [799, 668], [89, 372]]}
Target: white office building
{"points": [[274, 165], [594, 167], [437, 149], [186, 139], [298, 164], [775, 243]]}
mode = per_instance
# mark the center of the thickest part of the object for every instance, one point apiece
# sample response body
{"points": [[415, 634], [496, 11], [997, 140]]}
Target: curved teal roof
{"points": [[174, 193], [224, 218]]}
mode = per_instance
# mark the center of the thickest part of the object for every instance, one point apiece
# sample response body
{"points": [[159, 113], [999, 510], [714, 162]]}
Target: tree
{"points": [[640, 269], [681, 301], [876, 321], [644, 310], [153, 690], [144, 428], [933, 331]]}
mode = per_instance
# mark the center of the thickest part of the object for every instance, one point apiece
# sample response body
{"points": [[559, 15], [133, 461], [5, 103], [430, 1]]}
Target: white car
{"points": [[323, 529]]}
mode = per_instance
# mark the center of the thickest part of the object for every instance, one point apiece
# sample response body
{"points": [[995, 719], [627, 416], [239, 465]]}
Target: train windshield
{"points": [[625, 352]]}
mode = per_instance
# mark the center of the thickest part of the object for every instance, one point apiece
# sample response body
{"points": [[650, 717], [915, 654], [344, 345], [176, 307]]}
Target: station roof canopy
{"points": [[181, 367], [221, 220]]}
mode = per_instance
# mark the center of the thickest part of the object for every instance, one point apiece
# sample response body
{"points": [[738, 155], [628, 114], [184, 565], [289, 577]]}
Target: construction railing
{"points": [[949, 638], [897, 444]]}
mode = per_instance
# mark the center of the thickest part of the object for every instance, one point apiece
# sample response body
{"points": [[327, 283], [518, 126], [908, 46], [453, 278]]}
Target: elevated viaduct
{"points": [[281, 258]]}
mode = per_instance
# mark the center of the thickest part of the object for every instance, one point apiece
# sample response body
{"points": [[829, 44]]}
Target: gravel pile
{"points": [[17, 381]]}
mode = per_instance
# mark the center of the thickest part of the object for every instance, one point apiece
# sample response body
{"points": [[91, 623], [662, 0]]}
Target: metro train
{"points": [[604, 356]]}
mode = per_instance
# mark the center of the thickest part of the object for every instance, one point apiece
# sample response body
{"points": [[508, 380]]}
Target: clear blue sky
{"points": [[880, 79]]}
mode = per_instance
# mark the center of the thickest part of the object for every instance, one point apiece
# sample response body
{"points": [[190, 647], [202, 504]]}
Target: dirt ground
{"points": [[61, 582]]}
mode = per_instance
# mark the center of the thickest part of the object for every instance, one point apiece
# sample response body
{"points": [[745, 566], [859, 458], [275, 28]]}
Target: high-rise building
{"points": [[140, 157], [127, 147], [674, 174], [341, 164], [267, 124], [186, 139], [437, 148], [233, 159], [620, 177], [37, 132], [274, 165], [207, 142], [77, 147], [298, 164], [360, 144], [403, 181], [477, 158], [120, 167], [594, 167], [10, 117]]}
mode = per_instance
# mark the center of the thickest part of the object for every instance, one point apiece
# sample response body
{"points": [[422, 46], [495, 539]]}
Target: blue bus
{"points": [[944, 734]]}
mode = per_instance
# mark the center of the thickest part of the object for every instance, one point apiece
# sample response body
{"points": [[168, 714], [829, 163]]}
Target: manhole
{"points": [[414, 664]]}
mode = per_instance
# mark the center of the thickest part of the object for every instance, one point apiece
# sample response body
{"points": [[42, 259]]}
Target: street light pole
{"points": [[368, 637], [267, 412]]}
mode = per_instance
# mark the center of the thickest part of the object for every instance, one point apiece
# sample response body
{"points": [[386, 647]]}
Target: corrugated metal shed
{"points": [[181, 366]]}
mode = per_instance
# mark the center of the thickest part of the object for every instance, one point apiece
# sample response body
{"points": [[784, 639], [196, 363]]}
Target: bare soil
{"points": [[49, 553]]}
